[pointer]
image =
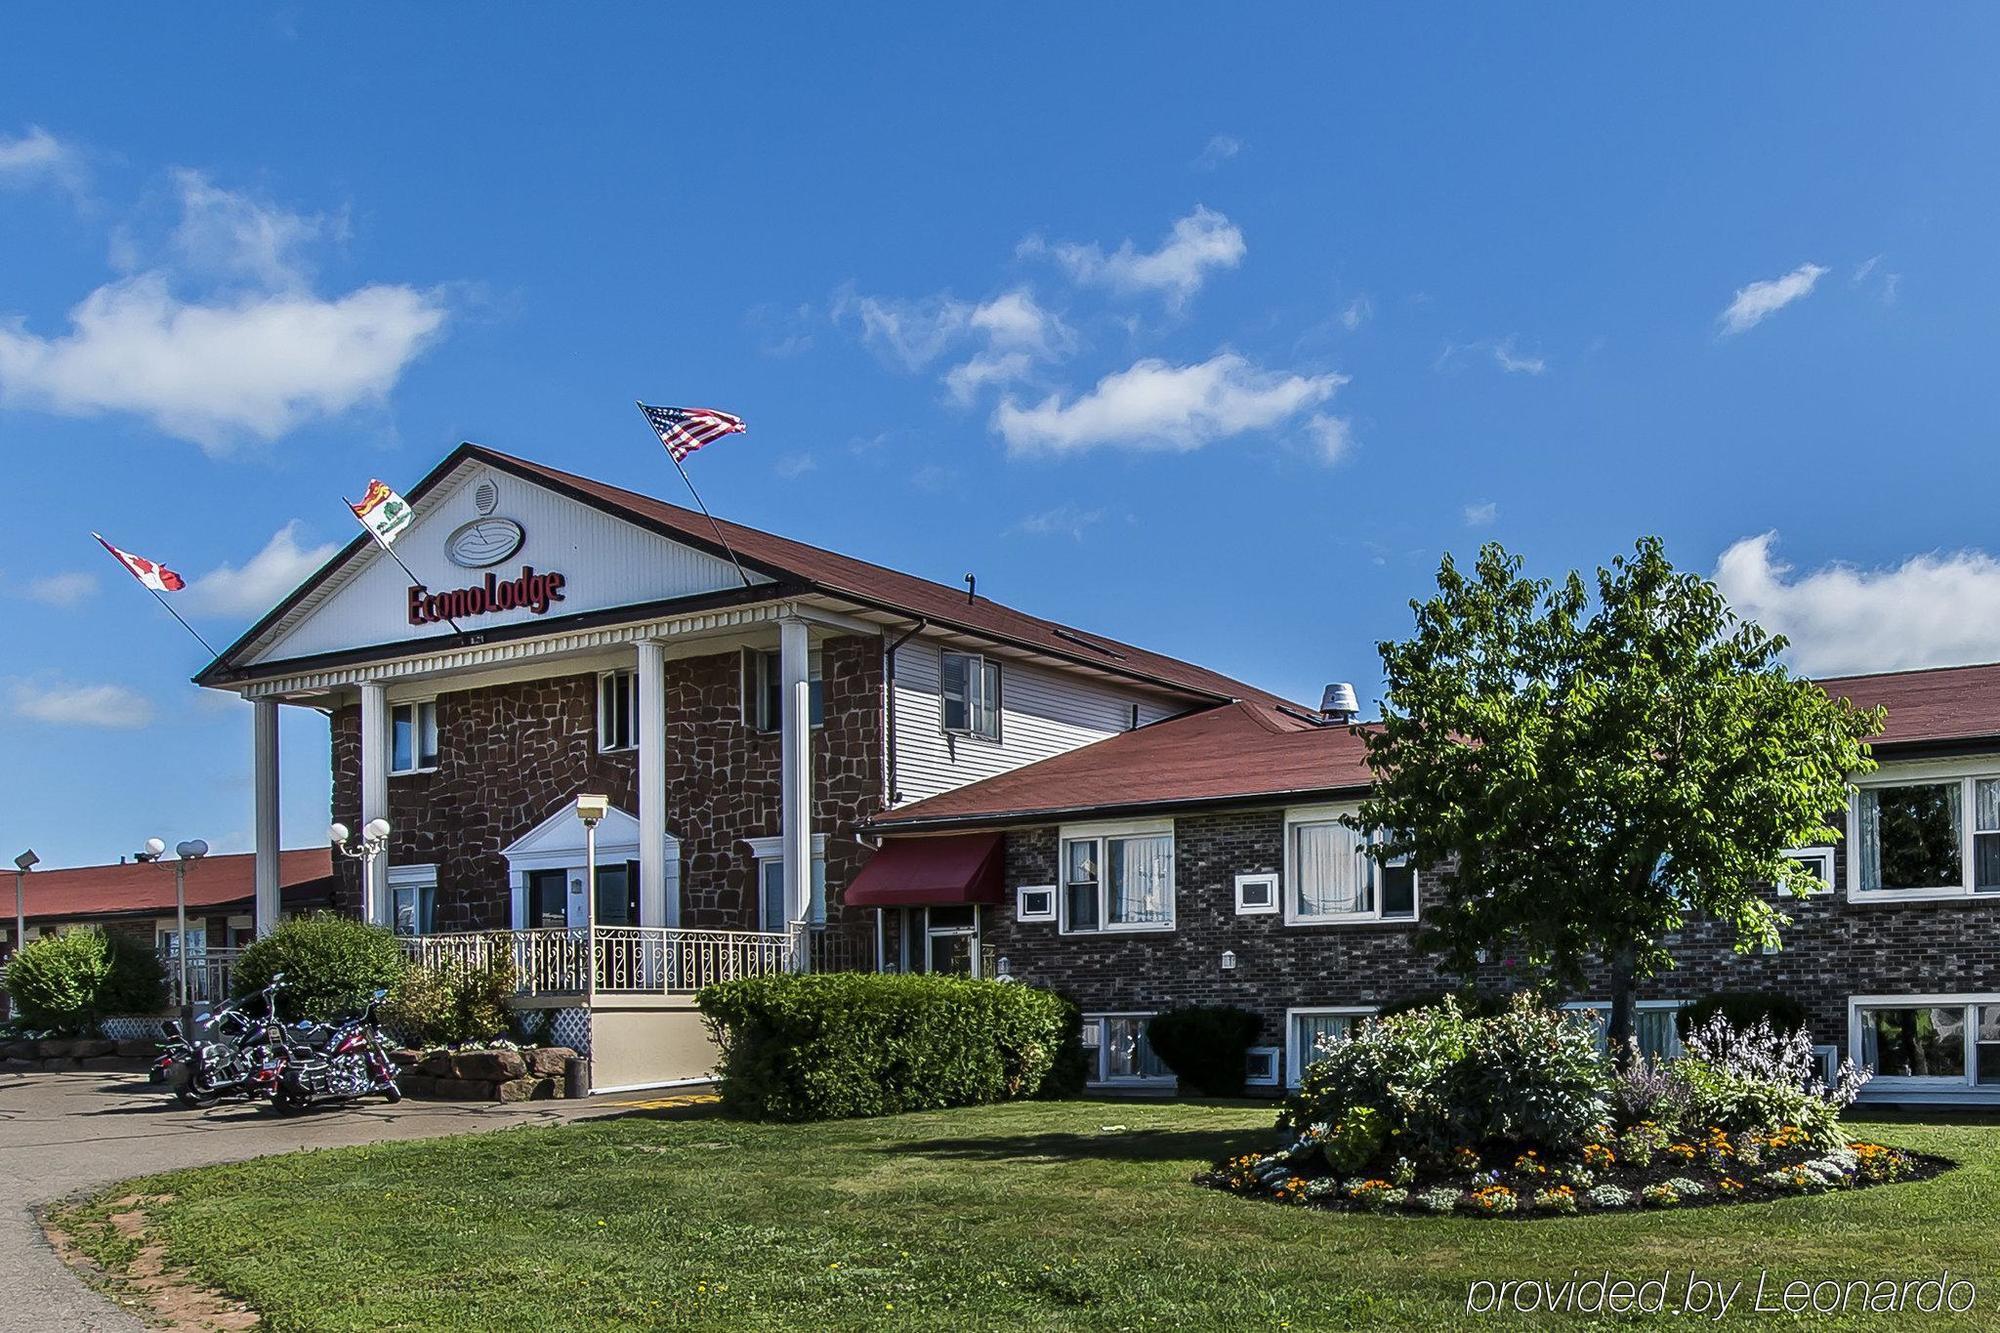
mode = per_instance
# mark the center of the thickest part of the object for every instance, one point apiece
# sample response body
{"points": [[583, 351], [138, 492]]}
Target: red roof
{"points": [[1246, 752], [1235, 752], [809, 568], [213, 881]]}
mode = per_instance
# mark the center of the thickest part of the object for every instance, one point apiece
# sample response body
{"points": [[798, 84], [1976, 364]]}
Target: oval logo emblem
{"points": [[483, 541]]}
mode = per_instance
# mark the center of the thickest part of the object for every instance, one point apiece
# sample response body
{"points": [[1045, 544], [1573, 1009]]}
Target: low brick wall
{"points": [[486, 1076], [59, 1054]]}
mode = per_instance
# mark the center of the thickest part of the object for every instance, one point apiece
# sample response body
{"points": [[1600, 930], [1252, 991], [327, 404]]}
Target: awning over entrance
{"points": [[932, 872]]}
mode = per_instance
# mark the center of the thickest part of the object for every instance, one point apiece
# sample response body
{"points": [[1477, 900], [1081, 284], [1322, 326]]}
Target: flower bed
{"points": [[1517, 1115]]}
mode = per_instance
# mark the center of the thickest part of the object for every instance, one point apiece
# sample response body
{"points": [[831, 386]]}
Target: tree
{"points": [[1589, 772]]}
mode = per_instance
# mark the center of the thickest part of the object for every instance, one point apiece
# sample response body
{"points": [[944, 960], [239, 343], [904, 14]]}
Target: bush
{"points": [[1757, 1080], [1471, 1003], [1744, 1010], [455, 1006], [137, 983], [1205, 1045], [53, 983], [1444, 1081], [332, 964], [829, 1045]]}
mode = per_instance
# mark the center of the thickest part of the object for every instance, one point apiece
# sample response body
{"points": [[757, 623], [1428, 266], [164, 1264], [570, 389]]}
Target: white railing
{"points": [[629, 960], [209, 973]]}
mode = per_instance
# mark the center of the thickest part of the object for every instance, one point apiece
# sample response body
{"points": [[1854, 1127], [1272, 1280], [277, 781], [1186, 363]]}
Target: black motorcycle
{"points": [[231, 1055], [336, 1064]]}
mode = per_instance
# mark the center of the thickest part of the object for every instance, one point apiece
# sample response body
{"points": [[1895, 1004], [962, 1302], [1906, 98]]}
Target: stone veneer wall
{"points": [[1834, 949], [510, 755]]}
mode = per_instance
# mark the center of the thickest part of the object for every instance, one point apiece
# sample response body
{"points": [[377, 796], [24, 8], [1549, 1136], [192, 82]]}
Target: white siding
{"points": [[1043, 713]]}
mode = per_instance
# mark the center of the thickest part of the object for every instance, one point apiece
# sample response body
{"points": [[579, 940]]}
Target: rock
{"points": [[56, 1048], [462, 1090], [550, 1059], [416, 1084], [405, 1058], [137, 1048], [518, 1090], [21, 1050], [492, 1066], [92, 1047], [101, 1062], [14, 1065], [437, 1064]]}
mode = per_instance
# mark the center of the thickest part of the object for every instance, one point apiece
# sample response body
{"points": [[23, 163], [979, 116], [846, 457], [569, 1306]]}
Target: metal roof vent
{"points": [[1338, 704]]}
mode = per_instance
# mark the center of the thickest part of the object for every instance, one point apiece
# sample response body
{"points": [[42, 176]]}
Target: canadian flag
{"points": [[157, 577]]}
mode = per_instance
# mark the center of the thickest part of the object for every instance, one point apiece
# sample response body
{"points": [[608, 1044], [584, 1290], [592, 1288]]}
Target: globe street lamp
{"points": [[374, 837]]}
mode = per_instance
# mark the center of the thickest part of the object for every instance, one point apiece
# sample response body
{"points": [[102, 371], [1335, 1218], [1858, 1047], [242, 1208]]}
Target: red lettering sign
{"points": [[529, 591]]}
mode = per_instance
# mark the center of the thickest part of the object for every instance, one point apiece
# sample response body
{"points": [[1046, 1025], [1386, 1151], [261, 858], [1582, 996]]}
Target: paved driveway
{"points": [[60, 1133]]}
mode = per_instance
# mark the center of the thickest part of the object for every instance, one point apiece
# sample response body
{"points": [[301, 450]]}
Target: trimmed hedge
{"points": [[332, 964], [1744, 1009], [827, 1046], [69, 982], [1205, 1045]]}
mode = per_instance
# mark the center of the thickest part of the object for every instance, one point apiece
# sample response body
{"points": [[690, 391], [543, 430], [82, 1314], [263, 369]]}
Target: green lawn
{"points": [[1053, 1215]]}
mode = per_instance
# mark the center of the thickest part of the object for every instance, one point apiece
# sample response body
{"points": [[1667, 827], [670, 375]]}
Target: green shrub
{"points": [[137, 983], [1472, 1003], [53, 983], [1740, 1103], [829, 1045], [455, 1006], [332, 964], [1354, 1141], [1743, 1009], [1205, 1045], [1442, 1080]]}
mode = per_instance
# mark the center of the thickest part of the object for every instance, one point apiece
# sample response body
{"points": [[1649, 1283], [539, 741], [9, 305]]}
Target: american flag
{"points": [[686, 429]]}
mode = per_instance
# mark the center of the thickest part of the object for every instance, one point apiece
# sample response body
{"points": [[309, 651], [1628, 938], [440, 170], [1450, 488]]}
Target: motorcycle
{"points": [[231, 1055], [336, 1064]]}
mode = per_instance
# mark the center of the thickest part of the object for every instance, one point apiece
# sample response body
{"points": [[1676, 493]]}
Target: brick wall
{"points": [[510, 755], [1833, 950]]}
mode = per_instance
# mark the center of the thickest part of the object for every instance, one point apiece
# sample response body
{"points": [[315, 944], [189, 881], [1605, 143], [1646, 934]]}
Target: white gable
{"points": [[478, 512], [557, 843]]}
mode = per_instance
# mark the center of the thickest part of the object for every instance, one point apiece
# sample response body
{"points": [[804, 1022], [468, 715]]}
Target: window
{"points": [[1332, 877], [1921, 1041], [1256, 894], [1815, 861], [618, 710], [772, 911], [1118, 879], [764, 690], [548, 899], [1263, 1066], [413, 899], [167, 940], [1655, 1025], [970, 689], [1121, 1050], [1035, 904], [1915, 839], [1308, 1032], [413, 737]]}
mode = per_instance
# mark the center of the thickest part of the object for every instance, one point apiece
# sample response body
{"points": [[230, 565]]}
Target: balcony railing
{"points": [[634, 960], [209, 973]]}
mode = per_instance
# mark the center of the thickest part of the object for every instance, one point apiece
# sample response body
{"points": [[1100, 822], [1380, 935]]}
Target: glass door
{"points": [[952, 940]]}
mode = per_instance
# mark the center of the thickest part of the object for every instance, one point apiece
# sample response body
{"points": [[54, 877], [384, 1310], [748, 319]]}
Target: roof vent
{"points": [[1338, 704]]}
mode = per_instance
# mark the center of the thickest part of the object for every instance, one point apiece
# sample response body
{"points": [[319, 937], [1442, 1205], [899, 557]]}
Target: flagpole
{"points": [[390, 551], [717, 527], [112, 552]]}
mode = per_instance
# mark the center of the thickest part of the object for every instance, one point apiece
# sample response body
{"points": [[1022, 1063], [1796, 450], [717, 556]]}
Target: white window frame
{"points": [[759, 665], [1821, 853], [607, 743], [1328, 814], [1103, 833], [419, 710], [1021, 912], [166, 935], [1273, 903], [1603, 1009], [975, 684], [1272, 1060], [772, 850], [1966, 1086], [1101, 1052], [412, 879], [1967, 773], [1293, 1069]]}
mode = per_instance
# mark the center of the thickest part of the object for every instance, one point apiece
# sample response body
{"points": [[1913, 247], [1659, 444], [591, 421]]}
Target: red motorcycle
{"points": [[337, 1064]]}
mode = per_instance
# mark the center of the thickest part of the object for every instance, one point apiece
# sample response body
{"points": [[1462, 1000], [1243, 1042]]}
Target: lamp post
{"points": [[590, 809], [193, 849], [374, 837], [23, 863]]}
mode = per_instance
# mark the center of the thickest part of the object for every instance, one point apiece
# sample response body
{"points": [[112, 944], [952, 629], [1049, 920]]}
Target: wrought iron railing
{"points": [[637, 960], [209, 973]]}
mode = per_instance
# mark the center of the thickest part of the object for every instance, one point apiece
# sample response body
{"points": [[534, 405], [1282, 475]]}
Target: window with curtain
{"points": [[764, 690], [1329, 871], [1313, 1032], [1124, 1053], [1911, 837], [1123, 882]]}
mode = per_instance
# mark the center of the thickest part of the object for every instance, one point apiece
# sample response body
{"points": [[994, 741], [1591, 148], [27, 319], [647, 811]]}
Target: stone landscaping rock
{"points": [[21, 1050], [518, 1090], [493, 1066], [437, 1064], [101, 1062], [92, 1047], [405, 1058], [462, 1090], [550, 1060], [138, 1048], [12, 1065], [415, 1084], [58, 1048]]}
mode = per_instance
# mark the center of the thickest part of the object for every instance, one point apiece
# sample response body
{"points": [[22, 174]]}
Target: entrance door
{"points": [[548, 899], [618, 894], [952, 940]]}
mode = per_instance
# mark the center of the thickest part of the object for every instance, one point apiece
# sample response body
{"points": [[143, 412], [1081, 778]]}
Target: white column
{"points": [[264, 731], [374, 790], [794, 666], [654, 907]]}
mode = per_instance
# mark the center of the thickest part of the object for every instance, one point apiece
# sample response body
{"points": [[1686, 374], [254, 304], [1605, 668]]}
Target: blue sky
{"points": [[1211, 334]]}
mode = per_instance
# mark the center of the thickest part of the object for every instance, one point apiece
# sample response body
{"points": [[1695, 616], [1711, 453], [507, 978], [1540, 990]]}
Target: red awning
{"points": [[931, 872]]}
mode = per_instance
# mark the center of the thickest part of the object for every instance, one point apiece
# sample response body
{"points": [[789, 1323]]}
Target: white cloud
{"points": [[1864, 268], [795, 465], [1065, 520], [1357, 312], [1219, 149], [62, 704], [252, 361], [38, 156], [964, 381], [1201, 241], [1760, 300], [1517, 363], [63, 589], [1154, 405], [1016, 331], [1482, 514], [1332, 436], [263, 580], [1934, 609]]}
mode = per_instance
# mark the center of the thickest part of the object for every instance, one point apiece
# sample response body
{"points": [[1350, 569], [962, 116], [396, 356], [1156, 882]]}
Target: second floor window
{"points": [[970, 687], [617, 710], [413, 737], [764, 690]]}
